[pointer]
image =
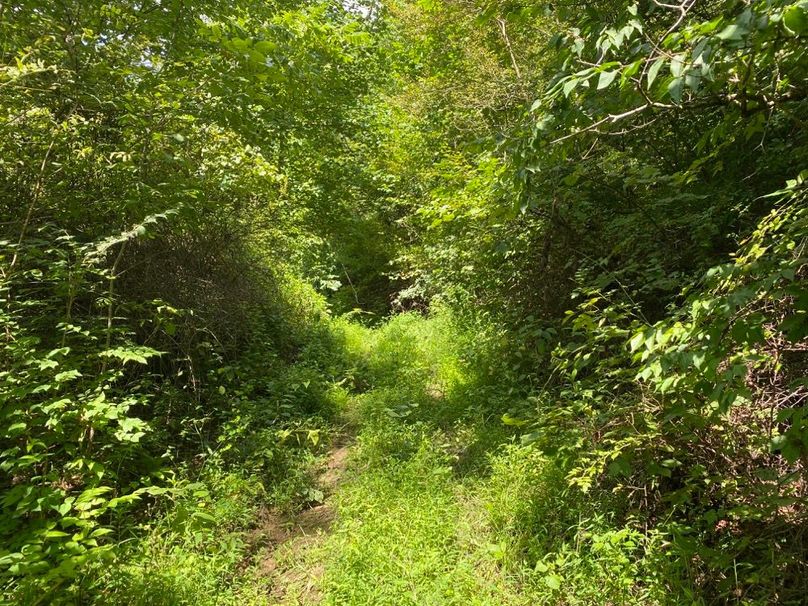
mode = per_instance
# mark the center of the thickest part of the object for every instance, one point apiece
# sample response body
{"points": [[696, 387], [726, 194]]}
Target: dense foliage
{"points": [[595, 215]]}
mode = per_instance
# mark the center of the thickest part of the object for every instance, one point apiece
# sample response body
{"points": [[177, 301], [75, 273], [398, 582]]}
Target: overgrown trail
{"points": [[403, 519], [548, 261]]}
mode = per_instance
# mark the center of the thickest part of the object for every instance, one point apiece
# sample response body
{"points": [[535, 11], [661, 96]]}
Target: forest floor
{"points": [[408, 533], [405, 514]]}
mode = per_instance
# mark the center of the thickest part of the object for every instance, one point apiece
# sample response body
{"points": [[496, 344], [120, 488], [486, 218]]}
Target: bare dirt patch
{"points": [[286, 540], [335, 468]]}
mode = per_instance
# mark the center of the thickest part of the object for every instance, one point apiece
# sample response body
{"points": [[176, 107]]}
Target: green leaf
{"points": [[139, 354], [204, 517], [693, 80], [553, 581], [795, 20], [790, 452], [55, 534], [67, 375], [653, 71], [15, 428], [675, 89], [619, 467], [92, 493], [636, 341], [733, 32], [606, 78], [677, 66], [512, 421]]}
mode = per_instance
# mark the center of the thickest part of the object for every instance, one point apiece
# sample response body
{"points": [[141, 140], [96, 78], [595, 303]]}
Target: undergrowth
{"points": [[449, 498]]}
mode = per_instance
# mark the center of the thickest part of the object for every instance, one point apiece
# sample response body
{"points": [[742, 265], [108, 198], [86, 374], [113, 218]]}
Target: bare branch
{"points": [[611, 118], [501, 23]]}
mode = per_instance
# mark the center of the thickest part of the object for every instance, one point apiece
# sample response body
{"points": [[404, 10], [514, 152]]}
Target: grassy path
{"points": [[289, 564], [404, 522], [427, 500], [402, 531]]}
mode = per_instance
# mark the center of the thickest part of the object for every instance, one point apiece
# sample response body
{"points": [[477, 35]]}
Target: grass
{"points": [[399, 539], [444, 506], [408, 529]]}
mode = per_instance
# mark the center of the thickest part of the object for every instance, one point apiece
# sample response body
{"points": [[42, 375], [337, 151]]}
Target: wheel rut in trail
{"points": [[288, 541]]}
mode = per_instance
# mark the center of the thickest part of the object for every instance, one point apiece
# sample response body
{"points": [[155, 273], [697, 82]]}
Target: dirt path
{"points": [[289, 544]]}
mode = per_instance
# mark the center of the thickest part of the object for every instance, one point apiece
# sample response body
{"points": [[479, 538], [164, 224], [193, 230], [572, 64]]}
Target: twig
{"points": [[501, 23], [34, 198], [111, 304], [612, 118], [682, 8], [356, 296]]}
